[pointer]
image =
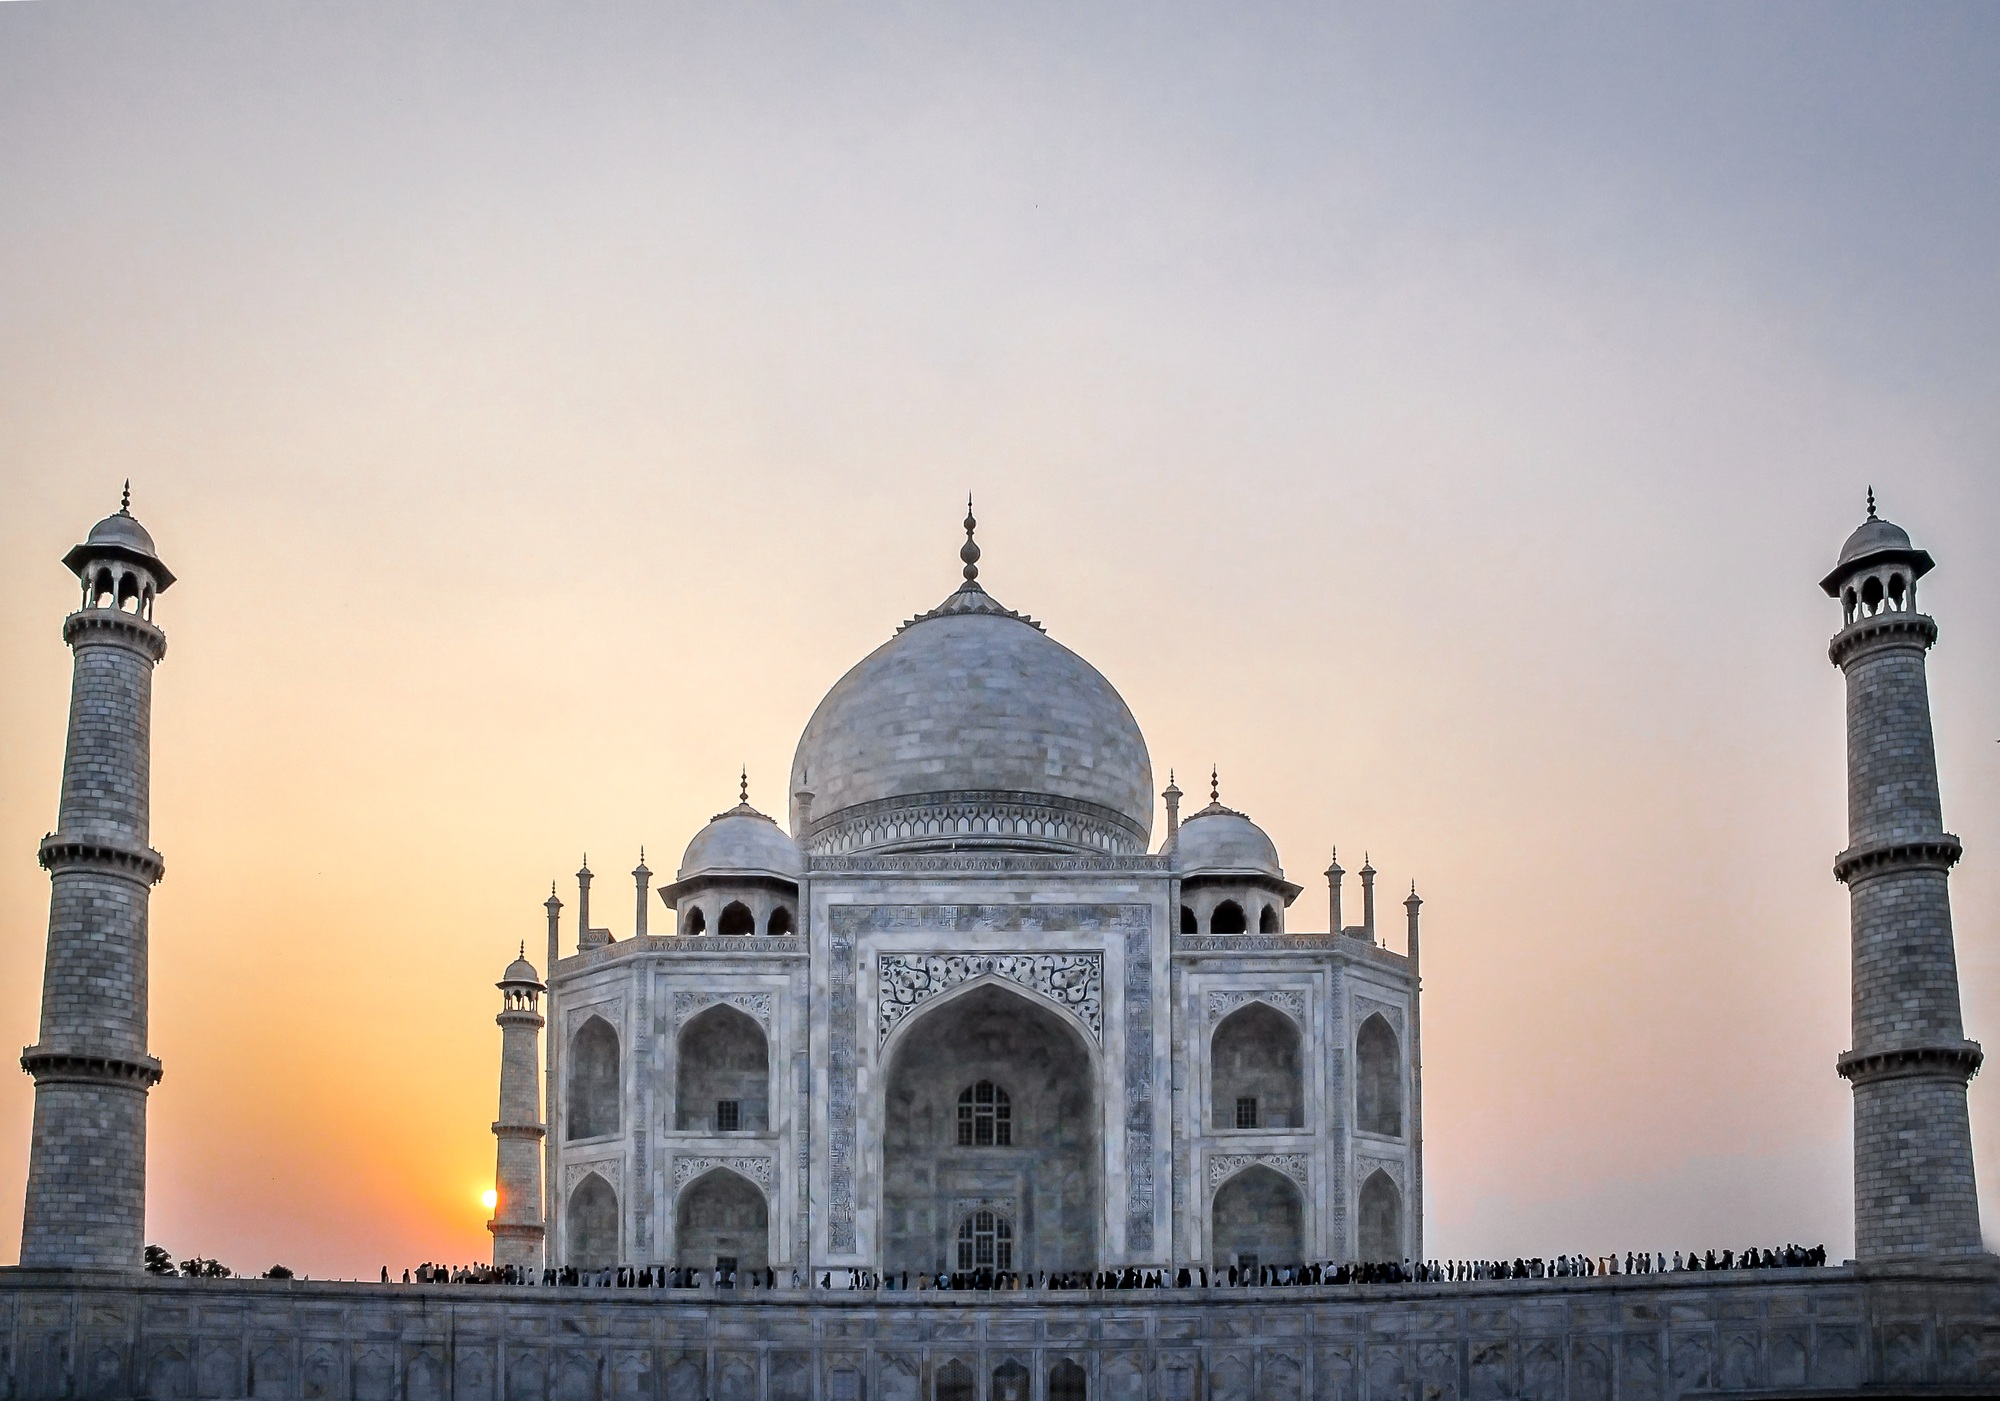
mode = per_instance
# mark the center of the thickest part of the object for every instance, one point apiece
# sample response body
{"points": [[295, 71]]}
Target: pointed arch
{"points": [[590, 1224], [736, 919], [1257, 1218], [1378, 1078], [722, 1059], [722, 1216], [594, 1086], [1256, 1069], [1227, 918], [1380, 1218]]}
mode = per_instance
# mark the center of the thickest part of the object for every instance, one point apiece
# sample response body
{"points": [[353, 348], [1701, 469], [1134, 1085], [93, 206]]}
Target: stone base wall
{"points": [[1931, 1329]]}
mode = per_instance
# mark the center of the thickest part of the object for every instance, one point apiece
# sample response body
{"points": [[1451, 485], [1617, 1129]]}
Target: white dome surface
{"points": [[742, 839], [972, 699], [1221, 839]]}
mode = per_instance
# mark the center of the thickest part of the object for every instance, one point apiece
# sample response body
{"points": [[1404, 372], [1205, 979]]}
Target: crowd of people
{"points": [[1185, 1277]]}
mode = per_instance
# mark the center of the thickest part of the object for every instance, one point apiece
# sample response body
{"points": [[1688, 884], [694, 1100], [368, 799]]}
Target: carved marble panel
{"points": [[760, 1169], [905, 981]]}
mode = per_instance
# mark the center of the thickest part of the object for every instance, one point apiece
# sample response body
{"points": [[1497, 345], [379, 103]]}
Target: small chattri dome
{"points": [[120, 536], [521, 971], [1219, 839], [742, 840], [1876, 541]]}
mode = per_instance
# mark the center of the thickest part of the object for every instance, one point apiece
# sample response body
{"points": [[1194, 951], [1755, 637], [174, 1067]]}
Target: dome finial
{"points": [[743, 790], [1871, 503], [524, 948], [969, 551], [125, 501], [1214, 783]]}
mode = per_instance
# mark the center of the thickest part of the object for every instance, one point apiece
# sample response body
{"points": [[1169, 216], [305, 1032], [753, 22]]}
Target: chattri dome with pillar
{"points": [[936, 1026]]}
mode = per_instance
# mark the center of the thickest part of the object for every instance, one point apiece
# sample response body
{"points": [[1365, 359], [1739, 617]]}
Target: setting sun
{"points": [[489, 1198]]}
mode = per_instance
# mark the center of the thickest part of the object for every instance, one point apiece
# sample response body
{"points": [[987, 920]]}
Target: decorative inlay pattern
{"points": [[610, 1169], [1365, 1168], [1224, 1166], [760, 1170], [1366, 1007], [1138, 1080], [612, 1009], [842, 1071], [1267, 943], [905, 981], [757, 1004], [1289, 1001]]}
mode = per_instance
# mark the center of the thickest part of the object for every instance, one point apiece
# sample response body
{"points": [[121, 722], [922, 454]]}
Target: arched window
{"points": [[1896, 590], [723, 1075], [128, 593], [736, 919], [1871, 594], [985, 1117], [1849, 603], [694, 921], [780, 921], [1067, 1382], [590, 1225], [1267, 922], [1010, 1382], [986, 1242], [954, 1383], [1381, 1219], [593, 1080], [1188, 925], [1378, 1079], [1227, 919], [103, 594], [1255, 1071]]}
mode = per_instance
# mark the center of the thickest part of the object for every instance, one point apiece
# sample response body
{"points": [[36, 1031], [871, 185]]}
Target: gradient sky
{"points": [[1439, 418]]}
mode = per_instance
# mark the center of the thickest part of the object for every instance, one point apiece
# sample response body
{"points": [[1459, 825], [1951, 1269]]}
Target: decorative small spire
{"points": [[125, 501], [524, 949], [743, 786], [1871, 503], [1215, 783], [969, 551]]}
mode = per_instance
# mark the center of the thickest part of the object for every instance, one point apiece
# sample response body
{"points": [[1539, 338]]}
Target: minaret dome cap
{"points": [[120, 536], [1876, 541]]}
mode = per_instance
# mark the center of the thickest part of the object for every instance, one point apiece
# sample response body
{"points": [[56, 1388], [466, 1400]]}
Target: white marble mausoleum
{"points": [[968, 1005]]}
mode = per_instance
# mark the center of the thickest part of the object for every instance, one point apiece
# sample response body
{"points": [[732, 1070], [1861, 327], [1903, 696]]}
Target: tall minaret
{"points": [[1913, 1183], [517, 1171], [86, 1205]]}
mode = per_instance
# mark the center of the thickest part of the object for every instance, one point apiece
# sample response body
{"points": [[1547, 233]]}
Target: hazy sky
{"points": [[1438, 418]]}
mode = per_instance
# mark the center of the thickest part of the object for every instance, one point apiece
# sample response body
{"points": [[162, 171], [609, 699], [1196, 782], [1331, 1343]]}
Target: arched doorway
{"points": [[1381, 1224], [590, 1225], [1378, 1079], [946, 1157], [1258, 1219], [722, 1222]]}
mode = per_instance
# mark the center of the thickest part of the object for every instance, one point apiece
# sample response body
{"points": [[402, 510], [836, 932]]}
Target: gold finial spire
{"points": [[743, 786], [1215, 783]]}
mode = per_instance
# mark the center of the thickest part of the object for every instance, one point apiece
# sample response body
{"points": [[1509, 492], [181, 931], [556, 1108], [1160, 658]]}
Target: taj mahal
{"points": [[978, 1007], [968, 1009]]}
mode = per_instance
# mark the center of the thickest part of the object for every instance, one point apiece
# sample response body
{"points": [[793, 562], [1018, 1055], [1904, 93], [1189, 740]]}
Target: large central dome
{"points": [[972, 727]]}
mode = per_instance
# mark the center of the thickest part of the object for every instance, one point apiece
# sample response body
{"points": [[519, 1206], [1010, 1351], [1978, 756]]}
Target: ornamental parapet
{"points": [[114, 626], [59, 853], [988, 863], [1882, 632], [1953, 1060], [975, 817], [84, 1068], [1933, 853]]}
